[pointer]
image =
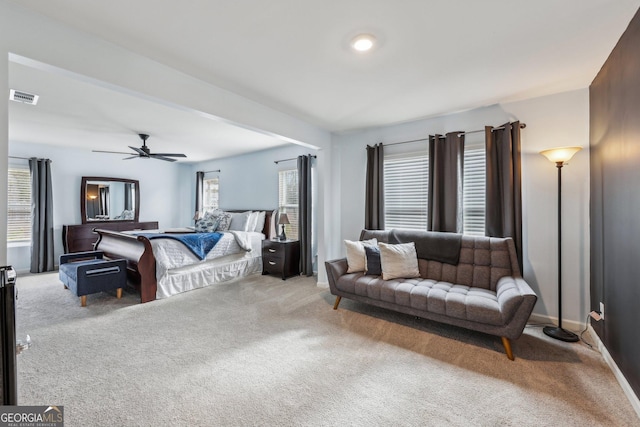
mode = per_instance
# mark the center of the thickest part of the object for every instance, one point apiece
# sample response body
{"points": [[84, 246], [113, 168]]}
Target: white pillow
{"points": [[251, 223], [399, 261], [239, 221], [260, 218], [356, 257]]}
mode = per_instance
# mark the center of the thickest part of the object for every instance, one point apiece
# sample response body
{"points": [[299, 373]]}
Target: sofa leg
{"points": [[83, 300], [507, 347], [337, 303], [119, 293]]}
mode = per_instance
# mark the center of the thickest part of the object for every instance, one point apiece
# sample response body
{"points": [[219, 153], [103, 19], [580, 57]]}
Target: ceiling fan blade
{"points": [[155, 156], [132, 157], [168, 155], [110, 152], [139, 151]]}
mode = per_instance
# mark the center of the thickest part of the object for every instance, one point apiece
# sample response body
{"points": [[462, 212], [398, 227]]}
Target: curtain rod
{"points": [[522, 126], [27, 158], [217, 170], [293, 158]]}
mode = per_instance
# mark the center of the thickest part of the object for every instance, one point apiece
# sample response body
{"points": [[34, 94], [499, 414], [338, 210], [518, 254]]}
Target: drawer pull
{"points": [[272, 250], [272, 263]]}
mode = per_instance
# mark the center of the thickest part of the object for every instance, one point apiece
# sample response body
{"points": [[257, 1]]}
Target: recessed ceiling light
{"points": [[363, 42]]}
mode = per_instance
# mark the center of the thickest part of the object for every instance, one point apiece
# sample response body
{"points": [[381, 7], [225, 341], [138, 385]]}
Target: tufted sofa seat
{"points": [[484, 291]]}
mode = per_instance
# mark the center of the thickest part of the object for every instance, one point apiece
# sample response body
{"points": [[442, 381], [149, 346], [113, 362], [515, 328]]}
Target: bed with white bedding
{"points": [[163, 266]]}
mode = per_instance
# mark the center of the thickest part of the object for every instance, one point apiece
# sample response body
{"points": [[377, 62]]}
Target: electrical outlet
{"points": [[602, 310]]}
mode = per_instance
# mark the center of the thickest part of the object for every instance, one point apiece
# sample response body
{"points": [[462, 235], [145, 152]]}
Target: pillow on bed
{"points": [[260, 218], [224, 219], [240, 221], [207, 224]]}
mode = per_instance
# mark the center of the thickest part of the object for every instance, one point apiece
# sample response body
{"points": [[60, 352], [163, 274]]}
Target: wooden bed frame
{"points": [[137, 251]]}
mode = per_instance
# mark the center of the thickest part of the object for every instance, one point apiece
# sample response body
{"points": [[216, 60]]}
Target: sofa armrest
{"points": [[81, 255], [335, 269], [516, 300]]}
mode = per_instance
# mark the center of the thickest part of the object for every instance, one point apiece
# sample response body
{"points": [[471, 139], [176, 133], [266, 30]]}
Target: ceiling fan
{"points": [[144, 152]]}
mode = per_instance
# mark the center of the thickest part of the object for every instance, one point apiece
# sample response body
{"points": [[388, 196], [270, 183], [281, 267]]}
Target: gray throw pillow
{"points": [[372, 265]]}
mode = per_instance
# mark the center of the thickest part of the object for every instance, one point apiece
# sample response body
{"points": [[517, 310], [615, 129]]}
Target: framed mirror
{"points": [[104, 199]]}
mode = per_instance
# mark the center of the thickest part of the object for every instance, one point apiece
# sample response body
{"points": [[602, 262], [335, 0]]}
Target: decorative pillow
{"points": [[224, 219], [399, 260], [240, 221], [355, 254], [372, 265], [260, 218], [207, 224]]}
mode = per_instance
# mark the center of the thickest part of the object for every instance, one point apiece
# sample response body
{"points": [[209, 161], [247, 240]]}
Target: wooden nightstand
{"points": [[281, 257]]}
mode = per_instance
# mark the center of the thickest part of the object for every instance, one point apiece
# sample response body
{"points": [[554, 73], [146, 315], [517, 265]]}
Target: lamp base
{"points": [[560, 334]]}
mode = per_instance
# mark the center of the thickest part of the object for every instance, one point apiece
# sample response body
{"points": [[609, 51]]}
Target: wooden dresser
{"points": [[80, 237]]}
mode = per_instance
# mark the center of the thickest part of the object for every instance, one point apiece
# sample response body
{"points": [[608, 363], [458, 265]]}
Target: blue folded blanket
{"points": [[198, 243]]}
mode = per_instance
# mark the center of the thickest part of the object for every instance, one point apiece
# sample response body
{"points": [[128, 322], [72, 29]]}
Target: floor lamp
{"points": [[560, 156]]}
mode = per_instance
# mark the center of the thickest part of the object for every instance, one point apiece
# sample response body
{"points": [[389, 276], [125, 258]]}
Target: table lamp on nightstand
{"points": [[283, 220]]}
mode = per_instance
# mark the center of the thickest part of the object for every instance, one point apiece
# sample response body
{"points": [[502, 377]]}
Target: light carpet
{"points": [[265, 352]]}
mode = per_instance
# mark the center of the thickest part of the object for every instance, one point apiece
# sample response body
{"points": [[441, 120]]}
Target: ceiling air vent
{"points": [[24, 97]]}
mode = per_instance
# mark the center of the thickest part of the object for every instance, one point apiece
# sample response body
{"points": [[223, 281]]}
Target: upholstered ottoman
{"points": [[89, 273]]}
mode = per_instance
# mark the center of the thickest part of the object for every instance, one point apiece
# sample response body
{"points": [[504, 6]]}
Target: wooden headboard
{"points": [[266, 230]]}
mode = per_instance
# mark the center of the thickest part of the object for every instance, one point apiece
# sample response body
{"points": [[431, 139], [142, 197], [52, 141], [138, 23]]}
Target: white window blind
{"points": [[288, 200], [211, 194], [406, 187], [19, 205], [473, 196]]}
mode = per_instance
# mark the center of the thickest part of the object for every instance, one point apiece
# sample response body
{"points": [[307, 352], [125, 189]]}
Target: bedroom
{"points": [[563, 115]]}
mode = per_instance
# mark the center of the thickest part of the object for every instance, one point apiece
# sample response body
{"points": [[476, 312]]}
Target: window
{"points": [[288, 200], [19, 205], [406, 187], [211, 194], [473, 196]]}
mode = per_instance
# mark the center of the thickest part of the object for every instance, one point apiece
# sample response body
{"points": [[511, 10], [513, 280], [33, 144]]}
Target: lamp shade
{"points": [[560, 154], [284, 219]]}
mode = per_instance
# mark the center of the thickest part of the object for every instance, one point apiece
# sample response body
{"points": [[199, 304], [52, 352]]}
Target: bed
{"points": [[161, 267]]}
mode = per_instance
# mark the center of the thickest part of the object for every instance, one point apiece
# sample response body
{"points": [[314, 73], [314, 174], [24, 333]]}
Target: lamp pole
{"points": [[552, 331]]}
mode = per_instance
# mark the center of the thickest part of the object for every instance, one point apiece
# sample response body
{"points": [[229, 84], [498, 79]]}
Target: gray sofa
{"points": [[479, 288]]}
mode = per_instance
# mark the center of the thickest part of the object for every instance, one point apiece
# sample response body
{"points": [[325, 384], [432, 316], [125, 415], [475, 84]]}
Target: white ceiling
{"points": [[434, 57]]}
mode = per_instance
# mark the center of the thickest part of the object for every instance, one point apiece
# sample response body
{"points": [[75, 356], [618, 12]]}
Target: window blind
{"points": [[19, 205], [474, 186], [288, 200], [406, 186]]}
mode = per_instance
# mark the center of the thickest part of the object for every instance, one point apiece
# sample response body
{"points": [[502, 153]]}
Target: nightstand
{"points": [[281, 257]]}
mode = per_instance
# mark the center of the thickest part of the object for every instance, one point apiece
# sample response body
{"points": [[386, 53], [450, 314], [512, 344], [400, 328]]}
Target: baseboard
{"points": [[626, 388], [322, 284], [570, 325]]}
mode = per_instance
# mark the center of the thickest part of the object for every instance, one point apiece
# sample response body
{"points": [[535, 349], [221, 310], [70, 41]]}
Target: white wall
{"points": [[552, 121], [160, 184]]}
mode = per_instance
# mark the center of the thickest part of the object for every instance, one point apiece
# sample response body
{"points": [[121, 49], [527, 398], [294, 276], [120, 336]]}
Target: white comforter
{"points": [[237, 254]]}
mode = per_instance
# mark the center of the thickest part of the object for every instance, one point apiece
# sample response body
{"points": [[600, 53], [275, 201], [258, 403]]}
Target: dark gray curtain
{"points": [[374, 197], [446, 161], [305, 215], [42, 257], [199, 191], [504, 184]]}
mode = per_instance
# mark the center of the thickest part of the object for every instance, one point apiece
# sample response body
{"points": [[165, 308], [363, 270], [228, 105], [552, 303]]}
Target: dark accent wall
{"points": [[614, 99]]}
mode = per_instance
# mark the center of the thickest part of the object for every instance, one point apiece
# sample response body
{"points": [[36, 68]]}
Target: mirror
{"points": [[105, 199]]}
